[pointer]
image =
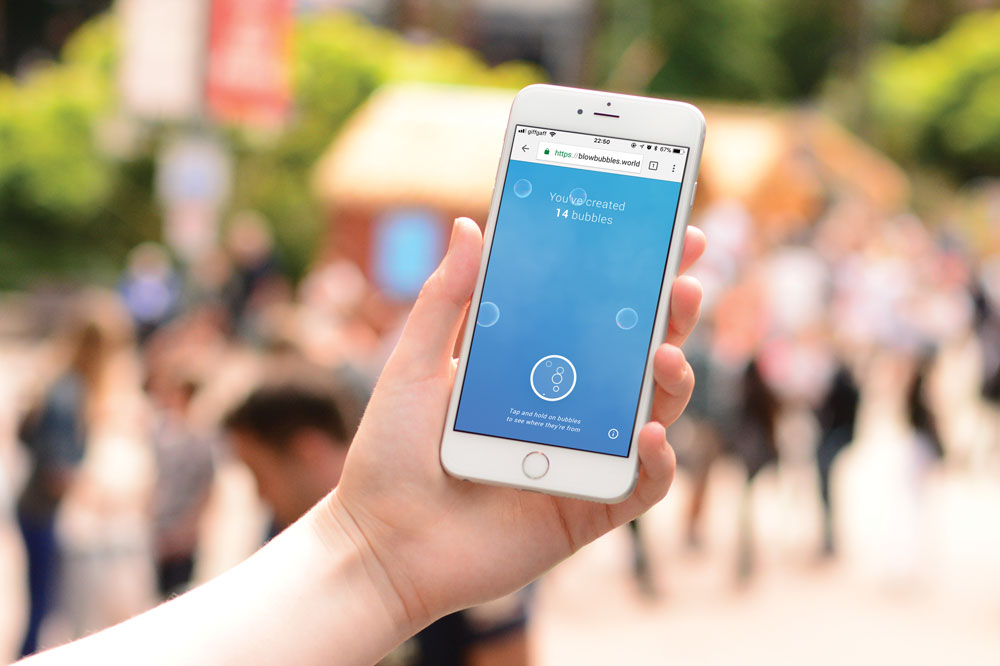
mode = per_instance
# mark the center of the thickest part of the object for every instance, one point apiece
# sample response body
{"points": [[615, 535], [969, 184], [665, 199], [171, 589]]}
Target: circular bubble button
{"points": [[553, 377], [578, 196], [627, 318], [522, 188], [489, 314]]}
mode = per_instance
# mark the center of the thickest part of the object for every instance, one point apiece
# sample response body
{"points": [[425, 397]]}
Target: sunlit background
{"points": [[193, 191]]}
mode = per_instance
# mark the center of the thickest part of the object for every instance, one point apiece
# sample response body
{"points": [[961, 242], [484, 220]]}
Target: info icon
{"points": [[553, 377]]}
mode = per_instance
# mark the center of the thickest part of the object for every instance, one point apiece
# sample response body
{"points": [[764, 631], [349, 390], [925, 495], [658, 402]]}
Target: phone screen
{"points": [[572, 285]]}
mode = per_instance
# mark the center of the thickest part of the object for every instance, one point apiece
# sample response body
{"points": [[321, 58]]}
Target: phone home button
{"points": [[535, 465]]}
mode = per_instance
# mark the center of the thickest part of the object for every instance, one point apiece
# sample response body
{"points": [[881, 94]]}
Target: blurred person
{"points": [[208, 277], [55, 433], [181, 360], [920, 416], [184, 471], [986, 296], [943, 310], [334, 323], [197, 338], [754, 441], [986, 327], [796, 283], [640, 561], [150, 288], [337, 288], [711, 408], [869, 289], [103, 521], [803, 366], [257, 280], [722, 404], [399, 543], [836, 417], [731, 247], [903, 465], [293, 431]]}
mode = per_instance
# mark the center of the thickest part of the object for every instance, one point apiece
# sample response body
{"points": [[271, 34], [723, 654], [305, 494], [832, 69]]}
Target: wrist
{"points": [[355, 561]]}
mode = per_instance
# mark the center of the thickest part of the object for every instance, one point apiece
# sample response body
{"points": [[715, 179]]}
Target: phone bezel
{"points": [[574, 473]]}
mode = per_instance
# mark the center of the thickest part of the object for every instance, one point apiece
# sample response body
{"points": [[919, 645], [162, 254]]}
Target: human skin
{"points": [[399, 543]]}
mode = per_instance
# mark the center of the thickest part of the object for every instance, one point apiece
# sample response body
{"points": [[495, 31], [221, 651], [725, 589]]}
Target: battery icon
{"points": [[676, 150]]}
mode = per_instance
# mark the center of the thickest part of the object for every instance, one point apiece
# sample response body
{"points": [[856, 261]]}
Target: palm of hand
{"points": [[488, 540], [445, 543]]}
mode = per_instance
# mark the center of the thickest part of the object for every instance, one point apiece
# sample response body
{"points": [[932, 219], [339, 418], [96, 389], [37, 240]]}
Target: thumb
{"points": [[428, 338]]}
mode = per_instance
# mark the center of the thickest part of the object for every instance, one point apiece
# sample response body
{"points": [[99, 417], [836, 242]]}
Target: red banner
{"points": [[249, 61]]}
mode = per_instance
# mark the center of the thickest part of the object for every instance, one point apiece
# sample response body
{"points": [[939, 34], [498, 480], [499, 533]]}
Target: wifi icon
{"points": [[552, 133]]}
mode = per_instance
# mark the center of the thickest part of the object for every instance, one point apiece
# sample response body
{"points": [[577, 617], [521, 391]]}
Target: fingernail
{"points": [[454, 229]]}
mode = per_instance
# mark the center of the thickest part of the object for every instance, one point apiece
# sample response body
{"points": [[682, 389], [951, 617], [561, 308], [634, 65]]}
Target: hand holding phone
{"points": [[440, 543]]}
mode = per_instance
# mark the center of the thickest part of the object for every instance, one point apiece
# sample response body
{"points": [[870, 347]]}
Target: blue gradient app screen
{"points": [[564, 324]]}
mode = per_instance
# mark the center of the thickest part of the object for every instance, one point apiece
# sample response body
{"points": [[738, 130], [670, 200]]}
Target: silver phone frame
{"points": [[574, 473]]}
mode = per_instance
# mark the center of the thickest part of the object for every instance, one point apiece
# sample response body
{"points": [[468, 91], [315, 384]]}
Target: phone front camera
{"points": [[579, 110], [609, 103]]}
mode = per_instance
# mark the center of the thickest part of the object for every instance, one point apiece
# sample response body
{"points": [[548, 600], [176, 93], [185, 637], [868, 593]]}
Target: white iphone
{"points": [[582, 243]]}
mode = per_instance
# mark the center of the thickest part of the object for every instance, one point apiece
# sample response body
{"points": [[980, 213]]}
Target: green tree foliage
{"points": [[808, 37], [920, 21], [718, 49], [46, 149], [939, 103], [55, 186], [68, 209], [727, 49]]}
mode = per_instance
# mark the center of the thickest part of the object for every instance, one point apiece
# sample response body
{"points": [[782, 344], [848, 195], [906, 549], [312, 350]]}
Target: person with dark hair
{"points": [[293, 432]]}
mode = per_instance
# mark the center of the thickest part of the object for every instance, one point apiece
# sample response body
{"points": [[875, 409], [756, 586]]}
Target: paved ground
{"points": [[938, 604]]}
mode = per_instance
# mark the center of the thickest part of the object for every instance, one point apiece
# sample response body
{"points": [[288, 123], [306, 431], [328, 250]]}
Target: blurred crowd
{"points": [[857, 329], [155, 434]]}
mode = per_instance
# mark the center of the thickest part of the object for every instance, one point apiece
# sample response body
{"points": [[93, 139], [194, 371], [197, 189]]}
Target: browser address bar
{"points": [[589, 157]]}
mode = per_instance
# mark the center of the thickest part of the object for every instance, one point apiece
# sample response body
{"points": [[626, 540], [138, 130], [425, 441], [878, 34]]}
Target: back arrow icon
{"points": [[524, 148]]}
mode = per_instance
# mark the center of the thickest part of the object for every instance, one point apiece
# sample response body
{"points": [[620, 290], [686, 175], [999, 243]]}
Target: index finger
{"points": [[694, 247]]}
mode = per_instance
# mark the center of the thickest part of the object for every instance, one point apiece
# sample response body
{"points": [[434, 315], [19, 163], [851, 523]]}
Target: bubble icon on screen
{"points": [[489, 314], [627, 318], [553, 377], [577, 196], [522, 188]]}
